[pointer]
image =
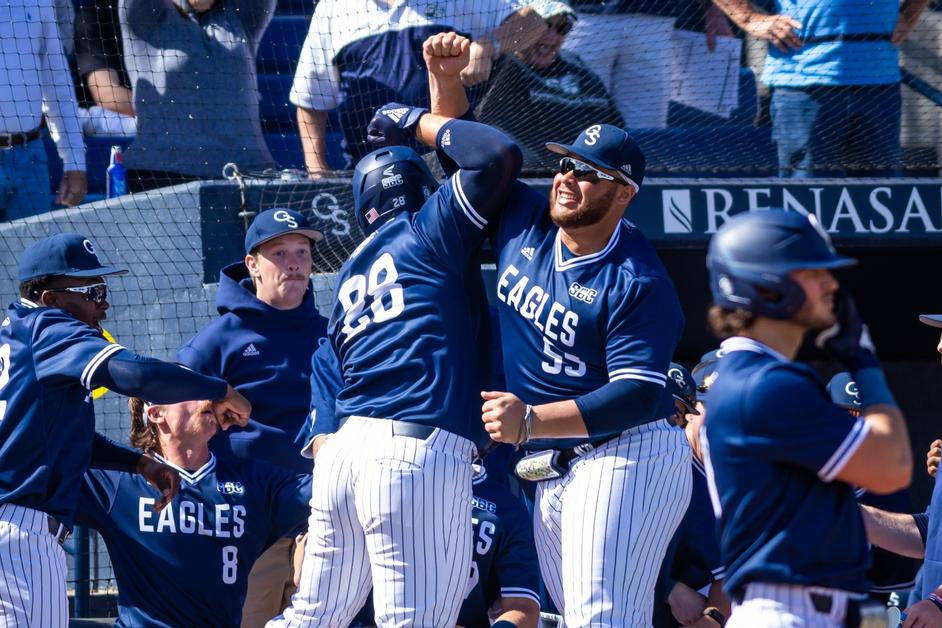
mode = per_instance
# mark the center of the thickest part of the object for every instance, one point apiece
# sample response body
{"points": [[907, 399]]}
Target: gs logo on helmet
{"points": [[677, 376]]}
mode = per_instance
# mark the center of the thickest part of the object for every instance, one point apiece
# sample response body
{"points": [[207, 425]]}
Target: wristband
{"points": [[526, 426], [935, 599], [872, 387], [715, 614]]}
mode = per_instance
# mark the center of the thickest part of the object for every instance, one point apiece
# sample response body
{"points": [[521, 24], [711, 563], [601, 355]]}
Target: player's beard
{"points": [[587, 214]]}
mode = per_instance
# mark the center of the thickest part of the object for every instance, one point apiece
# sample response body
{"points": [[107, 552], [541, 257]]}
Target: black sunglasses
{"points": [[97, 292], [583, 171], [563, 27]]}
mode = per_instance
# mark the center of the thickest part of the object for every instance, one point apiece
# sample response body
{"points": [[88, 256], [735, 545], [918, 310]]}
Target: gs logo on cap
{"points": [[285, 217], [851, 389], [592, 134], [89, 247]]}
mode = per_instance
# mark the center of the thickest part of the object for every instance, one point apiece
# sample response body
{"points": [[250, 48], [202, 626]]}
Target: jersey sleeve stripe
{"points": [[89, 372], [845, 451], [719, 573], [476, 219], [639, 374], [519, 592]]}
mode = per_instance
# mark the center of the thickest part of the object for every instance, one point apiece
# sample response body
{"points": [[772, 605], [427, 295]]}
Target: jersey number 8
{"points": [[230, 564], [386, 300]]}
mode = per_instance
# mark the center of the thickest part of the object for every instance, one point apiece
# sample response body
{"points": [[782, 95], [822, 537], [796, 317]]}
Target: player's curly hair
{"points": [[32, 288], [143, 432], [726, 323]]}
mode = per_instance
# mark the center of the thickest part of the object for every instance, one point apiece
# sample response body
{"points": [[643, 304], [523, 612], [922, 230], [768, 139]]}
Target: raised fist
{"points": [[446, 54]]}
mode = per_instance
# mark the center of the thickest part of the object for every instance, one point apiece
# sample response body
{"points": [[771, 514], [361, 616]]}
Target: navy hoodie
{"points": [[265, 353]]}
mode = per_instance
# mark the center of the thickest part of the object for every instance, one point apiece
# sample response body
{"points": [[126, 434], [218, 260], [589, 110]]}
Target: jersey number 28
{"points": [[385, 297]]}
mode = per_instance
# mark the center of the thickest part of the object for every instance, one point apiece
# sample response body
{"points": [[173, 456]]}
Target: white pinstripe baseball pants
{"points": [[787, 606], [389, 509], [32, 571], [602, 529]]}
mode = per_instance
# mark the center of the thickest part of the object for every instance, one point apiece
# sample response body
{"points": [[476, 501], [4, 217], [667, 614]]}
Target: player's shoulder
{"points": [[766, 386], [635, 256]]}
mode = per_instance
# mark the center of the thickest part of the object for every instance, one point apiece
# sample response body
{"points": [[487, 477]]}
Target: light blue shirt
{"points": [[837, 63]]}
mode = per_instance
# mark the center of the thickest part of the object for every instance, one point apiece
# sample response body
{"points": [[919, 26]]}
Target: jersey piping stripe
{"points": [[476, 219], [719, 573], [191, 477], [564, 264], [519, 592], [845, 451], [711, 479], [639, 374], [89, 372]]}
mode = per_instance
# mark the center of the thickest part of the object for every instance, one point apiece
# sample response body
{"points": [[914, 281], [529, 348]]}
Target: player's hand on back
{"points": [[233, 409], [446, 54], [923, 614], [686, 604], [933, 456], [162, 477], [502, 414]]}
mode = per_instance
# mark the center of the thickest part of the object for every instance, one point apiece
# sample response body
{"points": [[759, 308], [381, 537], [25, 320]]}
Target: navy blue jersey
{"points": [[505, 562], [405, 328], [570, 325], [189, 564], [48, 363], [774, 443]]}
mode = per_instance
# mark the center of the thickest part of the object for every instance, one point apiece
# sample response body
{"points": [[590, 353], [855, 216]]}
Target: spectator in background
{"points": [[262, 342], [106, 103], [35, 81], [192, 70], [362, 54], [627, 43], [833, 67], [539, 92]]}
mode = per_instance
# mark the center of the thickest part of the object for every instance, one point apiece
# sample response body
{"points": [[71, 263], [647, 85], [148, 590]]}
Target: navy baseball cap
{"points": [[932, 320], [608, 148], [64, 254], [843, 391], [273, 223]]}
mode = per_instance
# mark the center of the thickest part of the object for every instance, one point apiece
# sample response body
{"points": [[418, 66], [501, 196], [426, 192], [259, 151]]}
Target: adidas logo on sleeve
{"points": [[250, 351]]}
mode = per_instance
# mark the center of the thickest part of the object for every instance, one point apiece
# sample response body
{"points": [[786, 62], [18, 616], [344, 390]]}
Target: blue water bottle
{"points": [[116, 175]]}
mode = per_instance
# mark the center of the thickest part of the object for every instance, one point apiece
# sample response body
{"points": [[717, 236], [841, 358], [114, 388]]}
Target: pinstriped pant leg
{"points": [[416, 505], [335, 576], [32, 572], [547, 533], [780, 606], [620, 511]]}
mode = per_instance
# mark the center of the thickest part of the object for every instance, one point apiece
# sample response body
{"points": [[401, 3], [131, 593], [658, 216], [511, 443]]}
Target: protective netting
{"points": [[185, 87]]}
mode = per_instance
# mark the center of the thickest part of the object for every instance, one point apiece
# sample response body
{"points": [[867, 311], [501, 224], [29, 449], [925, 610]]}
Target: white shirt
{"points": [[35, 78], [337, 23]]}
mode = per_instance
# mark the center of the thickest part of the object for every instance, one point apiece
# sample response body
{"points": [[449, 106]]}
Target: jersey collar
{"points": [[27, 303], [561, 263], [191, 477], [741, 343]]}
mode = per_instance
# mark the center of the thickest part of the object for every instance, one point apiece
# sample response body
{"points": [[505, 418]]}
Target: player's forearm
{"points": [[448, 96], [718, 599], [519, 612], [107, 454], [108, 92], [739, 11], [156, 381], [312, 127], [559, 419], [619, 405], [892, 531]]}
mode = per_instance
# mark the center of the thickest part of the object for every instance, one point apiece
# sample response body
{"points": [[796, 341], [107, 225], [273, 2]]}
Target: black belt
{"points": [[858, 37], [566, 456], [57, 529], [412, 430], [9, 140]]}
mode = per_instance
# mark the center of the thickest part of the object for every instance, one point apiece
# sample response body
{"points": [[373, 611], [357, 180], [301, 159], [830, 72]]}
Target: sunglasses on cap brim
{"points": [[97, 292], [584, 172]]}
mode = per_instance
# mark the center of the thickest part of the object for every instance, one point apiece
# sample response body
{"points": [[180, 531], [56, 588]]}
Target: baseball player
{"points": [[890, 572], [690, 586], [589, 319], [262, 343], [189, 564], [396, 506], [779, 453], [52, 355]]}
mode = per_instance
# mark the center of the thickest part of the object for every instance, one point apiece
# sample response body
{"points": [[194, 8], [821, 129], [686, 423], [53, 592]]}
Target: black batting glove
{"points": [[393, 124], [848, 340]]}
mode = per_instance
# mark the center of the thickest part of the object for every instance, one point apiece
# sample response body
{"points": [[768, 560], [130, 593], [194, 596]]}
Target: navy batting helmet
{"points": [[682, 387], [751, 256], [387, 181], [844, 393]]}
